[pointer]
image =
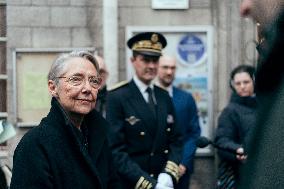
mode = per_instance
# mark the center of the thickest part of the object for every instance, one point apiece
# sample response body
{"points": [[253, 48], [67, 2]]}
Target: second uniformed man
{"points": [[146, 143]]}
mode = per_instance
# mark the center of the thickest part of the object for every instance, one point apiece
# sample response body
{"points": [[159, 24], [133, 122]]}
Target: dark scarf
{"points": [[249, 101]]}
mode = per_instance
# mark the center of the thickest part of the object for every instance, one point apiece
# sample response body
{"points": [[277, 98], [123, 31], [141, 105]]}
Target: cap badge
{"points": [[154, 38]]}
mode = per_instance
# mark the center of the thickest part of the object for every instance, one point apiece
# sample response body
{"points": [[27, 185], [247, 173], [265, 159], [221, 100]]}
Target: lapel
{"points": [[96, 134], [176, 96], [141, 108], [96, 137]]}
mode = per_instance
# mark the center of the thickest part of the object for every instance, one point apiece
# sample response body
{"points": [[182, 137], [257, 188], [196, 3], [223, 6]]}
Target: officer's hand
{"points": [[160, 186], [165, 179]]}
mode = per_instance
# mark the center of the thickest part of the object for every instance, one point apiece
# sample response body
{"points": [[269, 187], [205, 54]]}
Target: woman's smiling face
{"points": [[73, 97]]}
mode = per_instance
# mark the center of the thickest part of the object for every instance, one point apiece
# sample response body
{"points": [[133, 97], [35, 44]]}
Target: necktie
{"points": [[151, 102]]}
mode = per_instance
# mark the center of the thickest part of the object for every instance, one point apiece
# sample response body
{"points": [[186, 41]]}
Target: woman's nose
{"points": [[87, 86]]}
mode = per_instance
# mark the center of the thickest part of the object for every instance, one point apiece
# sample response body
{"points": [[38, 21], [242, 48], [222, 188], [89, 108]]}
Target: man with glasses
{"points": [[146, 143], [187, 116]]}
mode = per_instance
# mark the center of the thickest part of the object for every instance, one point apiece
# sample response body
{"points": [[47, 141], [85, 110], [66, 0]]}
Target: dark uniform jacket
{"points": [[142, 146], [57, 155]]}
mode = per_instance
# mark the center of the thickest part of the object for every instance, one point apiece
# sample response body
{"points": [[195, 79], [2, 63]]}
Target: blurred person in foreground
{"points": [[187, 117], [69, 148], [265, 163], [102, 94], [146, 142], [235, 125]]}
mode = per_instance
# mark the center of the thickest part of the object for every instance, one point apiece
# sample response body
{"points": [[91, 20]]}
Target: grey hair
{"points": [[59, 63]]}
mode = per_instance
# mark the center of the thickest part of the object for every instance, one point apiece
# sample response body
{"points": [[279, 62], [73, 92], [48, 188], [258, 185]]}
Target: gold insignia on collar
{"points": [[132, 120], [154, 38]]}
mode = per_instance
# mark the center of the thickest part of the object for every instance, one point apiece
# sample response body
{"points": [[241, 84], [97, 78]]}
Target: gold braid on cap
{"points": [[143, 184], [173, 169], [149, 45]]}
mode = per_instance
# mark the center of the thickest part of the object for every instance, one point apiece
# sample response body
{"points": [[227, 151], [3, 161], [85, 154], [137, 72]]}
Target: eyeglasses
{"points": [[76, 80]]}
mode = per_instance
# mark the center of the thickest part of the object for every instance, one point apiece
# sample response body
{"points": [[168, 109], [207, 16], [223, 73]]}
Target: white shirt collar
{"points": [[142, 86]]}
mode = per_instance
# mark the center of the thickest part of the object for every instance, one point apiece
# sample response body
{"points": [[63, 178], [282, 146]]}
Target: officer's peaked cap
{"points": [[148, 43]]}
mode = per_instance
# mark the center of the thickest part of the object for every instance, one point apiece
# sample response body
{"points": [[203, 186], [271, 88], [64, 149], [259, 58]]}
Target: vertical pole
{"points": [[110, 39]]}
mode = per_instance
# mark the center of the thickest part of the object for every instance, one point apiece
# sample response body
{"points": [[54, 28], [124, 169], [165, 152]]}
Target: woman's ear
{"points": [[52, 88]]}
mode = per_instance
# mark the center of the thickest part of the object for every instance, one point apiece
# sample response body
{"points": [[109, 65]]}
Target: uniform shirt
{"points": [[143, 87]]}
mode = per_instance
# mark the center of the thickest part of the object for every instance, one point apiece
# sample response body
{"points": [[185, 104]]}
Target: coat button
{"points": [[168, 129], [166, 151], [151, 175], [142, 133], [152, 154]]}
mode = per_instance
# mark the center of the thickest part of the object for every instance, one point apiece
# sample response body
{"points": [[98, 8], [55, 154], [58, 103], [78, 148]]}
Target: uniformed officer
{"points": [[146, 143]]}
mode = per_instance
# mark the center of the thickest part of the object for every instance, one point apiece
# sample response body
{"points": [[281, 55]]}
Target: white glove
{"points": [[160, 186], [165, 179]]}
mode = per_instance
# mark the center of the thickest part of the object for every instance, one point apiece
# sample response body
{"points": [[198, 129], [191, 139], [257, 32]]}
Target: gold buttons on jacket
{"points": [[142, 133], [151, 175], [152, 154], [168, 129], [166, 151]]}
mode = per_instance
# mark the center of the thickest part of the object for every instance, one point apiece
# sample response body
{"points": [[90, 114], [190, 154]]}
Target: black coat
{"points": [[265, 166], [142, 145], [235, 125], [56, 155]]}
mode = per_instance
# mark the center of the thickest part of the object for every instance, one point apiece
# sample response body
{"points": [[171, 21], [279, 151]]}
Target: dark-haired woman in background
{"points": [[235, 124]]}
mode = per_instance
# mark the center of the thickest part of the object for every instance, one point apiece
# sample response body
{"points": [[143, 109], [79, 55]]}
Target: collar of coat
{"points": [[94, 123]]}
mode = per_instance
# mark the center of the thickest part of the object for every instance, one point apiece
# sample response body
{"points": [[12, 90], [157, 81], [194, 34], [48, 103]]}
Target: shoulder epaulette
{"points": [[118, 85]]}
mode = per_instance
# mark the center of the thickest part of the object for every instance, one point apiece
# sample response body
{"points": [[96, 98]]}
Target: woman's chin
{"points": [[83, 110]]}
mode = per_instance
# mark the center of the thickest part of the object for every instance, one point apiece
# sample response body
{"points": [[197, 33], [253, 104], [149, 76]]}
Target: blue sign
{"points": [[191, 50]]}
